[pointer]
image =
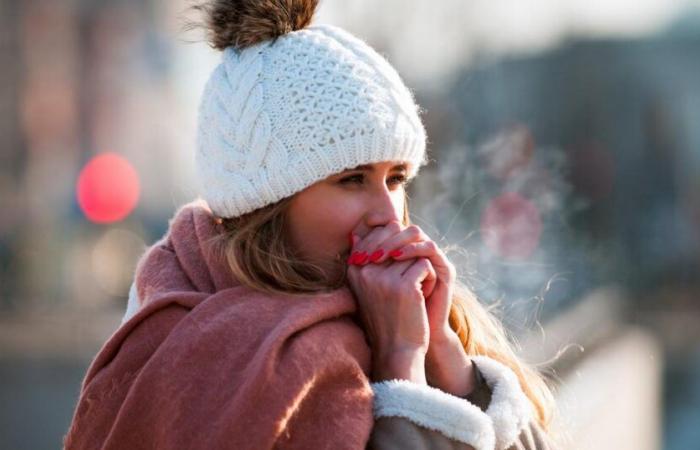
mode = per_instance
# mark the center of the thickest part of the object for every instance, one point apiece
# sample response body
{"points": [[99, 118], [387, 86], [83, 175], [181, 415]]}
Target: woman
{"points": [[295, 306]]}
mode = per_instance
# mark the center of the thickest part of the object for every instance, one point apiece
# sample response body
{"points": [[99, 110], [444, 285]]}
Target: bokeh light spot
{"points": [[108, 188], [511, 226], [114, 258]]}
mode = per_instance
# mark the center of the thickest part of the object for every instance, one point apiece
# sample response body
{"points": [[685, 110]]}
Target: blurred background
{"points": [[565, 147]]}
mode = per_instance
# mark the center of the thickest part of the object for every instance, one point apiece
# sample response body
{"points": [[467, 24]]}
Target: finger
{"points": [[377, 235], [393, 268], [418, 272], [412, 233], [390, 272], [396, 268], [367, 246], [429, 282], [428, 249]]}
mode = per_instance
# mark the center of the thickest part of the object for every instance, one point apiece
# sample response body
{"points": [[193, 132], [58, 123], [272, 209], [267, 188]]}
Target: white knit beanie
{"points": [[293, 107]]}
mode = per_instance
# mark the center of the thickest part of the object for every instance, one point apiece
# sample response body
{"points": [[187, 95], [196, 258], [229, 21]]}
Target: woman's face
{"points": [[321, 216]]}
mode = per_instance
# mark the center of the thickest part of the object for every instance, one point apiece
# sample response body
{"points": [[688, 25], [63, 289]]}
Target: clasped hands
{"points": [[404, 285]]}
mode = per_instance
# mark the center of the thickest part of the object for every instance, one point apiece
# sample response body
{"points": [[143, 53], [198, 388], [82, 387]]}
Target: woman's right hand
{"points": [[391, 308]]}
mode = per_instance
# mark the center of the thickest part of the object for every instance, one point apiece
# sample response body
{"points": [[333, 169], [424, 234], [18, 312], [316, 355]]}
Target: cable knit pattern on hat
{"points": [[280, 115]]}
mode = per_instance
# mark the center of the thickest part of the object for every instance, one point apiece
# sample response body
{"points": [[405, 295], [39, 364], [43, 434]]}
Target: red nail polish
{"points": [[357, 258], [376, 255], [361, 258], [395, 253]]}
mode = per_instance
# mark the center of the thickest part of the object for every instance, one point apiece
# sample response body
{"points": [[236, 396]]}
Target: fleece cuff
{"points": [[437, 410], [510, 410]]}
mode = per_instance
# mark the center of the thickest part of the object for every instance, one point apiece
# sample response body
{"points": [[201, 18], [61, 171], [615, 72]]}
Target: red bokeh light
{"points": [[108, 188], [511, 226]]}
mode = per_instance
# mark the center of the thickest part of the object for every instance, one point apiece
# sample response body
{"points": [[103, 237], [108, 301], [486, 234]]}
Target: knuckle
{"points": [[368, 237], [413, 230], [361, 273], [393, 226], [422, 263], [431, 246]]}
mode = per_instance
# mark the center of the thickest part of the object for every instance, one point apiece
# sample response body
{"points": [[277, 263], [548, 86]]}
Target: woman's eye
{"points": [[353, 179], [399, 179], [359, 178]]}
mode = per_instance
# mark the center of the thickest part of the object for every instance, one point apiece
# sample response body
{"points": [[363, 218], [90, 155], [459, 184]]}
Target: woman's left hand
{"points": [[447, 365]]}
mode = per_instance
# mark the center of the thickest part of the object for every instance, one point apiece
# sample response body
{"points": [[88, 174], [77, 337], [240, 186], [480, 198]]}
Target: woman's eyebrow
{"points": [[370, 168]]}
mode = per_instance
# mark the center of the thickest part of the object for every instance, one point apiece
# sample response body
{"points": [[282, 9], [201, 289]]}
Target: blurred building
{"points": [[83, 78], [601, 136]]}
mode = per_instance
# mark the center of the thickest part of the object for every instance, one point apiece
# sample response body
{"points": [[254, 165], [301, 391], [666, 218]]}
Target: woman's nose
{"points": [[384, 208]]}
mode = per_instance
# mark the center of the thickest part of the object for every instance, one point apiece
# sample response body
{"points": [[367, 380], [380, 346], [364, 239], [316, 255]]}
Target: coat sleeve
{"points": [[496, 415]]}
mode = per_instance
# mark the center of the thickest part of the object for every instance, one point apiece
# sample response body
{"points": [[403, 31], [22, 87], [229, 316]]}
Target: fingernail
{"points": [[395, 253], [374, 257], [357, 258], [361, 258]]}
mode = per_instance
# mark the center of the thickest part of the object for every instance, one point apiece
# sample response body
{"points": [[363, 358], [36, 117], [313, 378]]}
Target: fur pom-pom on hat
{"points": [[243, 23]]}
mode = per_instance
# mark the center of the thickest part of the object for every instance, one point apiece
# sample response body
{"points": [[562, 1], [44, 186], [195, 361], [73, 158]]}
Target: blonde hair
{"points": [[256, 247]]}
